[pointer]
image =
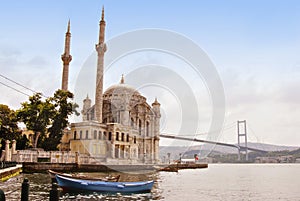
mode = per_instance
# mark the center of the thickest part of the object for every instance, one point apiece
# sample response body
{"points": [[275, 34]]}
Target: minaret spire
{"points": [[102, 16], [66, 58], [102, 27], [100, 48], [122, 79], [68, 30]]}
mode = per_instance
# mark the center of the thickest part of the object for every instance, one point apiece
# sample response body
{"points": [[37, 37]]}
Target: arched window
{"points": [[75, 133], [99, 135], [132, 122], [140, 127], [117, 136], [104, 135], [122, 137], [95, 134], [127, 138], [109, 136], [147, 128]]}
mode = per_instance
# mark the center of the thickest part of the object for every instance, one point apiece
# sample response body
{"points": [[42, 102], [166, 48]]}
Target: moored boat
{"points": [[72, 184], [108, 178]]}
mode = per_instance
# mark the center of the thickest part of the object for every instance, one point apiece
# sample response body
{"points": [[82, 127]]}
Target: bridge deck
{"points": [[211, 142]]}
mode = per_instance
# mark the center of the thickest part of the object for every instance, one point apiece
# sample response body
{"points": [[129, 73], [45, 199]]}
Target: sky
{"points": [[254, 46]]}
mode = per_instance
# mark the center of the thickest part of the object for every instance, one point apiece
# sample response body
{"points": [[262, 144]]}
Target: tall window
{"points": [[147, 128], [104, 135], [117, 136], [75, 133], [95, 134], [122, 137], [87, 134], [127, 138], [134, 139], [109, 136], [99, 135], [132, 122], [80, 134], [140, 127]]}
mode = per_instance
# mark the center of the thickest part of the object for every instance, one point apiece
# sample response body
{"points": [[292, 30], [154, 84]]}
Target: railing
{"points": [[50, 156]]}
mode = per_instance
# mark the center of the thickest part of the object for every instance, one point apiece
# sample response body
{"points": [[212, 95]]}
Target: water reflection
{"points": [[40, 186]]}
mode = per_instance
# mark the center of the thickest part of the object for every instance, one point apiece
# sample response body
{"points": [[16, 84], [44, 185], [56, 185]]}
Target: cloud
{"points": [[288, 91], [268, 101], [32, 71]]}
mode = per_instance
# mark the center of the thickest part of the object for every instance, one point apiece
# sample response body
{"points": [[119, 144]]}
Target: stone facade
{"points": [[121, 127]]}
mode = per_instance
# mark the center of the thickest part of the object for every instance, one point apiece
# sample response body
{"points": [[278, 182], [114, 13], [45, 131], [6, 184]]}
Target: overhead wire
{"points": [[5, 77], [14, 89]]}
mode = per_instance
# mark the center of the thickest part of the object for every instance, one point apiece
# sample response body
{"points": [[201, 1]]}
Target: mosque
{"points": [[120, 127]]}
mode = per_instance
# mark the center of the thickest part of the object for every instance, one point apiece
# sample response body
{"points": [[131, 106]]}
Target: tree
{"points": [[63, 108], [22, 143], [37, 115], [8, 125], [47, 117]]}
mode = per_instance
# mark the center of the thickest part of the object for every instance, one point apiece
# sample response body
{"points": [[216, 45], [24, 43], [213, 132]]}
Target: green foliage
{"points": [[9, 127], [22, 143], [48, 116], [63, 108], [37, 115], [8, 123]]}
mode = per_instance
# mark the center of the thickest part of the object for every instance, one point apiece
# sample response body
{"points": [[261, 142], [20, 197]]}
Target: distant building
{"points": [[121, 126], [275, 159]]}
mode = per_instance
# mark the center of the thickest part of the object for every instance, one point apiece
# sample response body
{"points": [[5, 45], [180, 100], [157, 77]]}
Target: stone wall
{"points": [[51, 156]]}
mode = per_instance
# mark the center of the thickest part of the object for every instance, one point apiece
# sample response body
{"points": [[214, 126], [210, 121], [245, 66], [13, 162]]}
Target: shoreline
{"points": [[34, 167]]}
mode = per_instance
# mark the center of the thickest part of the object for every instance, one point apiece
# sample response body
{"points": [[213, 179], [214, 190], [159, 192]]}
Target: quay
{"points": [[9, 172], [35, 167]]}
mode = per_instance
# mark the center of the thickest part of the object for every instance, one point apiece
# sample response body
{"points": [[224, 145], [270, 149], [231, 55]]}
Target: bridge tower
{"points": [[242, 133]]}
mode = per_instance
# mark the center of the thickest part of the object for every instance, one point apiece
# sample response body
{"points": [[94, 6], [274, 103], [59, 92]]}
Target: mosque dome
{"points": [[123, 91]]}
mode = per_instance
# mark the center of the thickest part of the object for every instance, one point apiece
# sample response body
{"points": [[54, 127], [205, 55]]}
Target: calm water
{"points": [[218, 182]]}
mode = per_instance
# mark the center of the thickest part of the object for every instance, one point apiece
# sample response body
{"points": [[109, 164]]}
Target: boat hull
{"points": [[53, 173], [79, 185]]}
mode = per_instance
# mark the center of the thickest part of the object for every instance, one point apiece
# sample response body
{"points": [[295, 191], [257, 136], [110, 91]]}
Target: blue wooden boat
{"points": [[81, 185]]}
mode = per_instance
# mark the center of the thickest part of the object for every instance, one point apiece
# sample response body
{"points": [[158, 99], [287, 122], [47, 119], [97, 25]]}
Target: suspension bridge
{"points": [[241, 132]]}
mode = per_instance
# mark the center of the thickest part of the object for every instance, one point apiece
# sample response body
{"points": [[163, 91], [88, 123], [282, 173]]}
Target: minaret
{"points": [[66, 58], [100, 48], [87, 103], [156, 109]]}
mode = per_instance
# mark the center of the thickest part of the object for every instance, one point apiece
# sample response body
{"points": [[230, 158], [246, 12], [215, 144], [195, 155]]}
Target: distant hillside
{"points": [[270, 147], [176, 150]]}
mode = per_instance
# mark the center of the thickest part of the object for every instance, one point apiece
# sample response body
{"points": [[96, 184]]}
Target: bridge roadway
{"points": [[241, 148]]}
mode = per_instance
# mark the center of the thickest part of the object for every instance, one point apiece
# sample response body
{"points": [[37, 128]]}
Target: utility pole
{"points": [[242, 133]]}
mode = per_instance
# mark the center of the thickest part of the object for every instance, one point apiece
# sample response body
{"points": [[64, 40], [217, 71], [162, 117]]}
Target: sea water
{"points": [[217, 182]]}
